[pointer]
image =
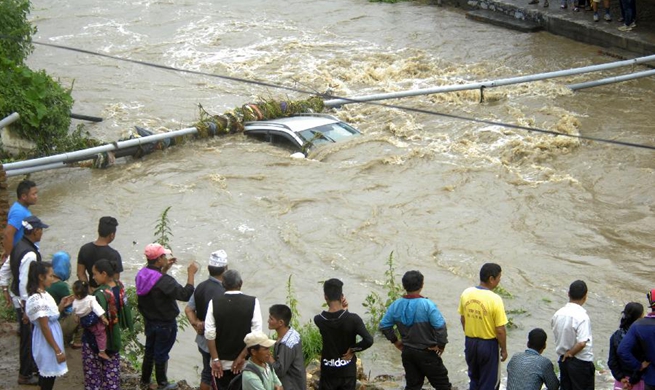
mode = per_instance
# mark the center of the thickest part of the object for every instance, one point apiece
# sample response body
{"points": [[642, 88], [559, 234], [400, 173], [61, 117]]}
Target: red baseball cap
{"points": [[154, 251]]}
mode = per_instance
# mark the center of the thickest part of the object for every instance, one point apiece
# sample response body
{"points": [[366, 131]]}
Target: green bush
{"points": [[16, 31], [7, 312], [44, 106]]}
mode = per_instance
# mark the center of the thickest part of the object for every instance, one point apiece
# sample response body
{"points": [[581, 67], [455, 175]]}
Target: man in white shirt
{"points": [[25, 252], [229, 319], [572, 329]]}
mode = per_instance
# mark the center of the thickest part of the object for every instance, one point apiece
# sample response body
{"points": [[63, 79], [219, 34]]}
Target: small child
{"points": [[86, 305]]}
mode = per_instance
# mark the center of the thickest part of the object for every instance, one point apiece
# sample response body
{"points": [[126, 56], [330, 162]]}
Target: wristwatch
{"points": [[216, 360]]}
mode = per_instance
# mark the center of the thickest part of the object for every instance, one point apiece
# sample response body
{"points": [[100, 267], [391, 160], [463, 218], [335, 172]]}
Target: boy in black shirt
{"points": [[339, 329]]}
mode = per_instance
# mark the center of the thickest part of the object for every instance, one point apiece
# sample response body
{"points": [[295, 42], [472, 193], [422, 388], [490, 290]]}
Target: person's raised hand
{"points": [[193, 268]]}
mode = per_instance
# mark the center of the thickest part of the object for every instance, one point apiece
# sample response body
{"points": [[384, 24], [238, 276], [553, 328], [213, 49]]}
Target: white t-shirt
{"points": [[571, 325], [84, 306]]}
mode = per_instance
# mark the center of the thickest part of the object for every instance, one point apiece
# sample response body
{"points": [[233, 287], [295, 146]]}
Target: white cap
{"points": [[218, 259]]}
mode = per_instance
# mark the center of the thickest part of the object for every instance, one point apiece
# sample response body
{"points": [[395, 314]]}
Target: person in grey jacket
{"points": [[287, 359]]}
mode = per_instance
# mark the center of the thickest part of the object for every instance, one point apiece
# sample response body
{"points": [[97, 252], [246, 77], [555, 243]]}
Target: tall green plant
{"points": [[133, 348], [312, 342], [163, 231], [375, 304], [16, 31]]}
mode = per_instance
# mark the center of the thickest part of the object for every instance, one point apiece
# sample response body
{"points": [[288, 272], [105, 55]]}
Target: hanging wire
{"points": [[330, 96]]}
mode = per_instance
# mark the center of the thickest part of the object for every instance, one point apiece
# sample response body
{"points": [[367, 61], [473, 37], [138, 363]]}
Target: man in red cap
{"points": [[642, 336], [157, 294]]}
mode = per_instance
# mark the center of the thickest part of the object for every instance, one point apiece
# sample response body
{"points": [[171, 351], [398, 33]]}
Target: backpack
{"points": [[235, 383], [118, 312], [112, 309]]}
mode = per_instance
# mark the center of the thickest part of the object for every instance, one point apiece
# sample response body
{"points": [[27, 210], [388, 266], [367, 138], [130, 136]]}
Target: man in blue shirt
{"points": [[529, 370], [423, 335], [641, 335], [27, 195]]}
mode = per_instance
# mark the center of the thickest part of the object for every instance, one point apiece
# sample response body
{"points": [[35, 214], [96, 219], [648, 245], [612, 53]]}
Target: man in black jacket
{"points": [[157, 294], [196, 310], [339, 329]]}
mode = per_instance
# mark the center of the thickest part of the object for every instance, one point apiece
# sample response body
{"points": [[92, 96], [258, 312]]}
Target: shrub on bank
{"points": [[16, 31], [43, 104]]}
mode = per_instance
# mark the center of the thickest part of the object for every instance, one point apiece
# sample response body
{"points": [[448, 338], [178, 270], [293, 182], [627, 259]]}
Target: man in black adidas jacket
{"points": [[339, 329]]}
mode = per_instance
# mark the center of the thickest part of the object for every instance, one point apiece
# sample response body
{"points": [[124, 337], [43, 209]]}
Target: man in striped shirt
{"points": [[529, 370]]}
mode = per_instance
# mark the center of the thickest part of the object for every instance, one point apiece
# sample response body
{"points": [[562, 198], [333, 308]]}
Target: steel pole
{"points": [[60, 158], [490, 84], [612, 80], [45, 167], [9, 120]]}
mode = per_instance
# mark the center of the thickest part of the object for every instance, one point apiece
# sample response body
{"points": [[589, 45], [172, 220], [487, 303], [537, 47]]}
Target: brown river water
{"points": [[445, 195]]}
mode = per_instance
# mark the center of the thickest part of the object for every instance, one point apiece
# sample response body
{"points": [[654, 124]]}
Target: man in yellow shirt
{"points": [[483, 320]]}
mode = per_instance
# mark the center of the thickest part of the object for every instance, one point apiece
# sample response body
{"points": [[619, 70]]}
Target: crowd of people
{"points": [[229, 325], [628, 9]]}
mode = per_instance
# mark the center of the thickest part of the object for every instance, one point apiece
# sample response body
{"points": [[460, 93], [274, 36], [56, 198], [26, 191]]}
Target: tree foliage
{"points": [[15, 31], [43, 104]]}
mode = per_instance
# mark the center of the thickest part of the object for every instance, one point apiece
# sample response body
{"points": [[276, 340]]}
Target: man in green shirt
{"points": [[264, 378]]}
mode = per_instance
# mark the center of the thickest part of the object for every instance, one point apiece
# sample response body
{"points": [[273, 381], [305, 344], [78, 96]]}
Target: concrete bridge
{"points": [[579, 26]]}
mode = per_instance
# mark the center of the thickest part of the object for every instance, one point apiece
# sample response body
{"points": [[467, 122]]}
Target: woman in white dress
{"points": [[43, 312]]}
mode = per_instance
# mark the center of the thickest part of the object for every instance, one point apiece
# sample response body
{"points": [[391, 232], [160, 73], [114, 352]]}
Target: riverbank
{"points": [[74, 379], [578, 26]]}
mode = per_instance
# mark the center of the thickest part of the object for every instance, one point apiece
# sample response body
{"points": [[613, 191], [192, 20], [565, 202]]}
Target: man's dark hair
{"points": [[577, 290], [232, 280], [281, 312], [489, 270], [24, 187], [255, 347], [216, 271], [412, 281], [107, 226], [537, 339], [333, 289]]}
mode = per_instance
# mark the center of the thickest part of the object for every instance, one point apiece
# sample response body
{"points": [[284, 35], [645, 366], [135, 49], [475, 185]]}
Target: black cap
{"points": [[33, 222]]}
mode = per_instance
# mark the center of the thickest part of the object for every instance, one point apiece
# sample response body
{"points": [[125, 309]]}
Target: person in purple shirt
{"points": [[157, 296]]}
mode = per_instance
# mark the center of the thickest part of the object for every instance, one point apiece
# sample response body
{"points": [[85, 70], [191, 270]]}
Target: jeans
{"points": [[206, 374], [160, 337], [26, 366], [629, 10]]}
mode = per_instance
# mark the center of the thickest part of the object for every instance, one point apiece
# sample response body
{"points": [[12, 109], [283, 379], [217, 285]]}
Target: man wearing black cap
{"points": [[22, 255], [641, 335]]}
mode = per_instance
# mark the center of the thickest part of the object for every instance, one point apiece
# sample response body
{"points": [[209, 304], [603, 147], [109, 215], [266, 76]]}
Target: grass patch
{"points": [[500, 290]]}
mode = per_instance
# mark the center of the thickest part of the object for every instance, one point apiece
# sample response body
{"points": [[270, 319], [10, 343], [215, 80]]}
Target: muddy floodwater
{"points": [[446, 195]]}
